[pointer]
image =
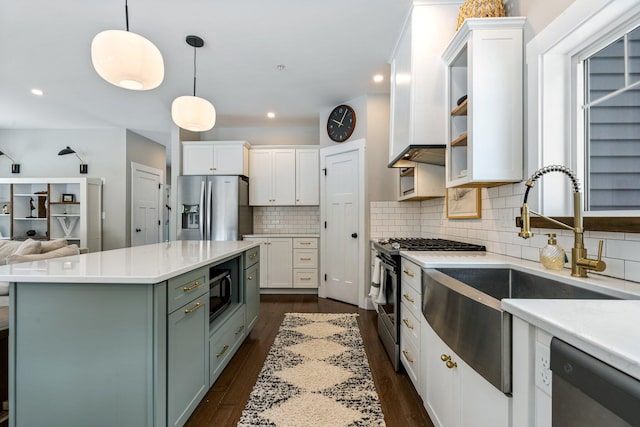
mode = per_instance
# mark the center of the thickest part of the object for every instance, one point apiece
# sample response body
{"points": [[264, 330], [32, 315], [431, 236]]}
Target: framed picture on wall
{"points": [[463, 203]]}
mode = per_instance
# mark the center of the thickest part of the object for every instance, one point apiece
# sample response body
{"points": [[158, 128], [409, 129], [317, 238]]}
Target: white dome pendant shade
{"points": [[127, 59], [192, 112]]}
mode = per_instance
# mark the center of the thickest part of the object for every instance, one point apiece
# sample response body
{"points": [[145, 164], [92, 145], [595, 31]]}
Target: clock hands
{"points": [[335, 121], [343, 116]]}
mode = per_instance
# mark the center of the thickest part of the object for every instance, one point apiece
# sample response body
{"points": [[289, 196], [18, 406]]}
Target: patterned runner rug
{"points": [[316, 374]]}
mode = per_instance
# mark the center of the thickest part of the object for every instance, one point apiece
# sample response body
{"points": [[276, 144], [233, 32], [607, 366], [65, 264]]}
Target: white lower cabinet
{"points": [[288, 262], [453, 393], [410, 320]]}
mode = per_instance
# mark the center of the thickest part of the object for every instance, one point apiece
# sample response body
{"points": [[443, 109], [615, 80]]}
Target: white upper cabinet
{"points": [[307, 176], [284, 176], [215, 158], [272, 177], [484, 132], [417, 76]]}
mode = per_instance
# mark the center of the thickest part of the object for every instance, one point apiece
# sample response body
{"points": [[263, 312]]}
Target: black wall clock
{"points": [[341, 123]]}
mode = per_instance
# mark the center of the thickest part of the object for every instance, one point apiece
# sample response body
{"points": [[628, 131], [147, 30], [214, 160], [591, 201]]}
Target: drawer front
{"points": [[411, 275], [411, 299], [305, 278], [305, 258], [409, 324], [305, 243], [223, 344], [410, 357], [251, 257], [186, 287]]}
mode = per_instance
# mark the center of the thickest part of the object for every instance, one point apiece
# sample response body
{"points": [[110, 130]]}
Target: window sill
{"points": [[627, 224]]}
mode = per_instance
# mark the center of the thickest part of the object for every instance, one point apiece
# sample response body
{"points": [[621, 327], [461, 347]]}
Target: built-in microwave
{"points": [[220, 289]]}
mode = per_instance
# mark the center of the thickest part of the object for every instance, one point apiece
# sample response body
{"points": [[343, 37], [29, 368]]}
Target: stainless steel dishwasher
{"points": [[587, 392]]}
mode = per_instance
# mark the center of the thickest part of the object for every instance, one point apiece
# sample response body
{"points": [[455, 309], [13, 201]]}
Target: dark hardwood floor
{"points": [[222, 406]]}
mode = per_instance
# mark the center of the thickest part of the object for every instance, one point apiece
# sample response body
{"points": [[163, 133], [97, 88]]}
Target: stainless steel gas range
{"points": [[389, 253]]}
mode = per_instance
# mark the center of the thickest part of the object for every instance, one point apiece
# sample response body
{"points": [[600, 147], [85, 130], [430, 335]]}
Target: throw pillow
{"points": [[56, 253], [51, 245], [29, 247]]}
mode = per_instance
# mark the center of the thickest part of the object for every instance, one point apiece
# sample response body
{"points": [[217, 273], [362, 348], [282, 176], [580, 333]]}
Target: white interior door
{"points": [[146, 198], [342, 233]]}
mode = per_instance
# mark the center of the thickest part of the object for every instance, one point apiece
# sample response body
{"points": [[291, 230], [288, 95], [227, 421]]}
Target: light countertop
{"points": [[607, 329], [141, 264], [294, 235]]}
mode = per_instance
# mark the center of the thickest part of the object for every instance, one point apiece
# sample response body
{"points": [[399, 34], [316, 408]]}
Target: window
{"points": [[611, 113], [583, 73]]}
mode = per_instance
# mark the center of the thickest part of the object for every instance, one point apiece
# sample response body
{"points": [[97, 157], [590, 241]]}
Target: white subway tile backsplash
{"points": [[497, 231], [286, 219]]}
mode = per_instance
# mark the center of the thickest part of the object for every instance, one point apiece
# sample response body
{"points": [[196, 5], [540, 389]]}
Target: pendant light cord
{"points": [[194, 70], [126, 13]]}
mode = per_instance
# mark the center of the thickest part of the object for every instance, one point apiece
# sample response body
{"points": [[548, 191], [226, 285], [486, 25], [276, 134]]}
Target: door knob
{"points": [[354, 235], [138, 230]]}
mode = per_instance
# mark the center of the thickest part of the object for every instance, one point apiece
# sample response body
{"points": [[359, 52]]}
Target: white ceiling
{"points": [[331, 50]]}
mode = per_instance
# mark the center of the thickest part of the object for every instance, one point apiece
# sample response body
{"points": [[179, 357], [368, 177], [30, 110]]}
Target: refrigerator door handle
{"points": [[201, 211], [209, 211]]}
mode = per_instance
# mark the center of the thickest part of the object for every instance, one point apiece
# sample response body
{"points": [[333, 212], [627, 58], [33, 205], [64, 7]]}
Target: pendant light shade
{"points": [[127, 60], [192, 112]]}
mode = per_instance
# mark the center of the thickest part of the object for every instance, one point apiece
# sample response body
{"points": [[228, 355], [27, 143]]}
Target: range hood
{"points": [[433, 154]]}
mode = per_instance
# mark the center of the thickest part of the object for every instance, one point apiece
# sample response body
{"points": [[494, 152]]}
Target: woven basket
{"points": [[480, 9]]}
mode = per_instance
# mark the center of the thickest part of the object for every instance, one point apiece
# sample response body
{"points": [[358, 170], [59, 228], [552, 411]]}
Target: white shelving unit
{"points": [[51, 208]]}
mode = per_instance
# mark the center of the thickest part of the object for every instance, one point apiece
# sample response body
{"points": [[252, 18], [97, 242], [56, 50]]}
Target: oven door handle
{"points": [[387, 266]]}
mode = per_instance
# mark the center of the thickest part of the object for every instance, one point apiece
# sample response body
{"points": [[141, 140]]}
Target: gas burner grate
{"points": [[422, 244]]}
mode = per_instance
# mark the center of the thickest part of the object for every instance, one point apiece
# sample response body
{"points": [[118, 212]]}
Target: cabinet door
{"points": [[197, 159], [260, 177], [481, 404], [284, 177], [441, 389], [252, 294], [228, 160], [187, 359], [280, 263], [307, 177]]}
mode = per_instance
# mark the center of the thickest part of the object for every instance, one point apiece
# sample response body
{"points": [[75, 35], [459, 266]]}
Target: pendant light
{"points": [[191, 112], [127, 59]]}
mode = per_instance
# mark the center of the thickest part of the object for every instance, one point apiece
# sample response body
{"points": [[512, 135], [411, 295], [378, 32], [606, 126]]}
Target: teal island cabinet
{"points": [[124, 337]]}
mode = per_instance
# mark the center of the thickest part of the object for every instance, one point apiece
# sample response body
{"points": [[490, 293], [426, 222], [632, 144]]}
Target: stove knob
{"points": [[395, 245]]}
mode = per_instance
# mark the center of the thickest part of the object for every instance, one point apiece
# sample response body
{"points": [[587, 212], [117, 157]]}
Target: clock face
{"points": [[341, 123]]}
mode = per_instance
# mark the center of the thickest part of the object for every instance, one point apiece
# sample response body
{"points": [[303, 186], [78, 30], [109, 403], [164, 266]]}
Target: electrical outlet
{"points": [[543, 368]]}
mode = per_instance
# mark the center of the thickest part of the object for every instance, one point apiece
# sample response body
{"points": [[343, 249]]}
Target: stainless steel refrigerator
{"points": [[214, 207]]}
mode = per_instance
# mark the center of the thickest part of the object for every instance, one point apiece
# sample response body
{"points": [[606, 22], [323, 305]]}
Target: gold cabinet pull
{"points": [[224, 350], [406, 322], [305, 243], [305, 278], [408, 272], [305, 259], [408, 298], [194, 308], [445, 357], [250, 278], [240, 329], [406, 355], [253, 255], [192, 287], [451, 364]]}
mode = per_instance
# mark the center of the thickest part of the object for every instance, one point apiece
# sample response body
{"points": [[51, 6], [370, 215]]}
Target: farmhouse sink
{"points": [[462, 305]]}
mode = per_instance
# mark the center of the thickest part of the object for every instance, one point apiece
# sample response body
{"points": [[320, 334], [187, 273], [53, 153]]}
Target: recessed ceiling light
{"points": [[378, 78], [271, 115], [37, 92], [280, 67]]}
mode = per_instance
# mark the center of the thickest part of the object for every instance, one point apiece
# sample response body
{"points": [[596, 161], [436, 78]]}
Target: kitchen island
{"points": [[123, 337]]}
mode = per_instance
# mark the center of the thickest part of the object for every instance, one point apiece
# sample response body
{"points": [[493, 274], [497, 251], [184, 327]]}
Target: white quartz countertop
{"points": [[607, 329], [139, 265], [294, 235]]}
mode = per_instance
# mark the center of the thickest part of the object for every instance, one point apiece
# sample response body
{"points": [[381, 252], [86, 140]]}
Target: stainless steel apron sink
{"points": [[462, 305]]}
